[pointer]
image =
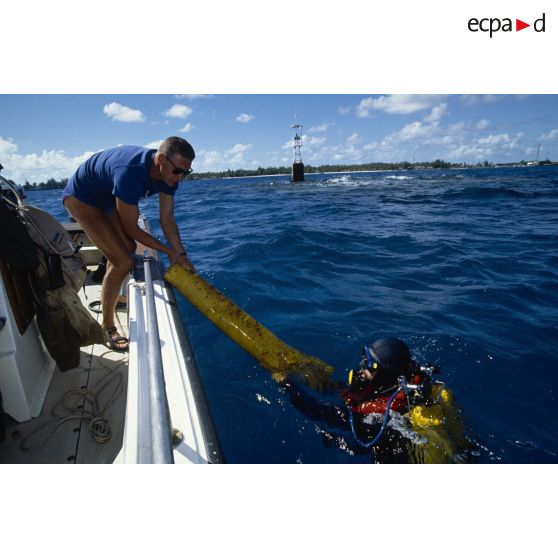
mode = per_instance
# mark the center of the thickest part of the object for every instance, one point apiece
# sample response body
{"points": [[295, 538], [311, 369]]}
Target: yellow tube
{"points": [[271, 353]]}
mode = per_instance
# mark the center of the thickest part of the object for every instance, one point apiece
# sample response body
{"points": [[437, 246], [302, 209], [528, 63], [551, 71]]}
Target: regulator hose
{"points": [[376, 439]]}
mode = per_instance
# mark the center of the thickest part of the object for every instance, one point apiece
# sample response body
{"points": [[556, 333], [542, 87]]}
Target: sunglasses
{"points": [[177, 170]]}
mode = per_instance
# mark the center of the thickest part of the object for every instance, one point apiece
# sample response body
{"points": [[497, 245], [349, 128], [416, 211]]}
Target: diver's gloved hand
{"points": [[323, 384], [315, 373], [333, 386], [315, 382]]}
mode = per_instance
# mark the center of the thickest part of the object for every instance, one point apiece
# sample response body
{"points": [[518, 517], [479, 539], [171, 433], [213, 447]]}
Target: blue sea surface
{"points": [[460, 264]]}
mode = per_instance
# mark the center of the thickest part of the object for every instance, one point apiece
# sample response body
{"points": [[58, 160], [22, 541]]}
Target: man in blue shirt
{"points": [[103, 196]]}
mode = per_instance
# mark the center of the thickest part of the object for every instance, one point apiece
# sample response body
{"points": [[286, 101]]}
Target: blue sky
{"points": [[43, 136]]}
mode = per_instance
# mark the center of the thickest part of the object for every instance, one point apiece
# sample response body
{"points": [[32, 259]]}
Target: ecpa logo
{"points": [[494, 24]]}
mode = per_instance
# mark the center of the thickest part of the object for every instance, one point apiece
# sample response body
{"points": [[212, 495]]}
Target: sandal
{"points": [[114, 340], [95, 306]]}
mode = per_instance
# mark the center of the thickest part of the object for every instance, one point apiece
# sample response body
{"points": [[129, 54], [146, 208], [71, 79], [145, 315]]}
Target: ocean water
{"points": [[460, 264]]}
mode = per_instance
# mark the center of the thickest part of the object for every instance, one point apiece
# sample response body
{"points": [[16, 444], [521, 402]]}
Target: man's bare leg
{"points": [[129, 242], [110, 290], [102, 232]]}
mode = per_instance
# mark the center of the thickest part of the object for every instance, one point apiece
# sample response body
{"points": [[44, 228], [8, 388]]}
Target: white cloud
{"points": [[316, 151], [37, 167], [347, 153], [307, 141], [437, 113], [402, 144], [320, 127], [552, 135], [504, 140], [214, 160], [154, 144], [238, 148], [429, 135], [413, 131], [7, 147], [456, 128], [313, 140], [244, 118], [456, 142], [476, 100], [179, 111], [468, 152], [193, 97], [396, 104], [489, 147], [210, 160], [187, 128], [344, 110], [443, 140], [482, 124], [123, 113]]}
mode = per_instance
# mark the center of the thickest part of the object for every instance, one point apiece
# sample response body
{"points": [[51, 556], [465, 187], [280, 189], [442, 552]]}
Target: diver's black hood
{"points": [[392, 353]]}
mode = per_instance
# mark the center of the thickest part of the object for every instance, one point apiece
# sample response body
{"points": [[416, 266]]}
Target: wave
{"points": [[343, 179], [399, 177]]}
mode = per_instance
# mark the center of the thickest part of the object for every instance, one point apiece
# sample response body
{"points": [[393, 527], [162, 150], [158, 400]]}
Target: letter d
{"points": [[536, 24]]}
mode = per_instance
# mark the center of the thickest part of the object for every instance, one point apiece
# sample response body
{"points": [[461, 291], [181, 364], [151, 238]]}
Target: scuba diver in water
{"points": [[388, 388]]}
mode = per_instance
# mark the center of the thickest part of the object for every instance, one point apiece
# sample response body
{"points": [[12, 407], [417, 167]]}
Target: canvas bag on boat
{"points": [[64, 323], [16, 247], [53, 240]]}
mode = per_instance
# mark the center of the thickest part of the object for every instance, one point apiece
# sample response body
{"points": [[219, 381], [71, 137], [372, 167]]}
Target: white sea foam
{"points": [[262, 399], [398, 423], [339, 179]]}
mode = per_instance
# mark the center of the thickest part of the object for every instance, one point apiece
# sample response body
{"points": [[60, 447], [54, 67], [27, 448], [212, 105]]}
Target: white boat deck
{"points": [[54, 438], [121, 385]]}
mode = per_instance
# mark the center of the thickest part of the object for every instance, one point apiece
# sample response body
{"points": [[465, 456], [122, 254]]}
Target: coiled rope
{"points": [[75, 401]]}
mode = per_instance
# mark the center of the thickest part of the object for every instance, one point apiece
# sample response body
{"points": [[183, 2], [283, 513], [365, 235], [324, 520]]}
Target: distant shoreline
{"points": [[500, 166], [306, 173], [53, 184]]}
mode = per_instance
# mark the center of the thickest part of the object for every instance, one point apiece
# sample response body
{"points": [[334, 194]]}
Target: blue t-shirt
{"points": [[121, 172]]}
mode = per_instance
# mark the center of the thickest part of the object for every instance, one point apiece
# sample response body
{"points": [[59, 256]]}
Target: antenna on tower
{"points": [[298, 165]]}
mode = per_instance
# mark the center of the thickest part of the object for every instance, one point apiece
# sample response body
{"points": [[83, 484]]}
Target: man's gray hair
{"points": [[179, 146]]}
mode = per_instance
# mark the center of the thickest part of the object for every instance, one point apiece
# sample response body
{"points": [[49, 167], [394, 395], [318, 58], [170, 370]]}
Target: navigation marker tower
{"points": [[298, 165]]}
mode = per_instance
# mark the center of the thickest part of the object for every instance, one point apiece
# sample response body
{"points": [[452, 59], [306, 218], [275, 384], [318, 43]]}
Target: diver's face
{"points": [[363, 377], [366, 374]]}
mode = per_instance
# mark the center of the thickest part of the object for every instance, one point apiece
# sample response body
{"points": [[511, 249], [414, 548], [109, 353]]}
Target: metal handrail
{"points": [[209, 432], [161, 435]]}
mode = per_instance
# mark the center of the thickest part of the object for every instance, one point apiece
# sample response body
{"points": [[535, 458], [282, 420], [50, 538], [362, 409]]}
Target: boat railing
{"points": [[161, 448], [167, 415], [209, 431]]}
